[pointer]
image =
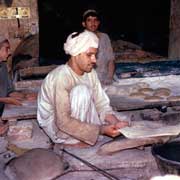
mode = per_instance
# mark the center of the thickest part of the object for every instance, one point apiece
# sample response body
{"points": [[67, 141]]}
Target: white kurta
{"points": [[54, 112]]}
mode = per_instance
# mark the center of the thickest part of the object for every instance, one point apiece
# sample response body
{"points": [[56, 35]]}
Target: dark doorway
{"points": [[145, 23]]}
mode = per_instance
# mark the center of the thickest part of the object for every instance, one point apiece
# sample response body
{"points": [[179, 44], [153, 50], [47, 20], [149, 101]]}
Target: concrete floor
{"points": [[133, 164]]}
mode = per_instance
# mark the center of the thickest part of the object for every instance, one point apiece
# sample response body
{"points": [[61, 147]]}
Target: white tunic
{"points": [[54, 108]]}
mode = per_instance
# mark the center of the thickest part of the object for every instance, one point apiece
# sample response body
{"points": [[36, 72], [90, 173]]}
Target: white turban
{"points": [[80, 43]]}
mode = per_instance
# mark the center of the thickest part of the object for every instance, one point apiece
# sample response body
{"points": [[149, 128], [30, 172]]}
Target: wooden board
{"points": [[124, 143], [27, 111], [36, 71], [123, 104]]}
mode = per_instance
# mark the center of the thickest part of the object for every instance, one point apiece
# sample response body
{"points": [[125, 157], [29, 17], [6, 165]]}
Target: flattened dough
{"points": [[153, 98], [173, 98], [147, 91], [142, 85], [137, 95], [162, 92]]}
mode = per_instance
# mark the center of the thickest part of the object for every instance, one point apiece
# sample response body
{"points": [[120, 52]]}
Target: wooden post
{"points": [[174, 37]]}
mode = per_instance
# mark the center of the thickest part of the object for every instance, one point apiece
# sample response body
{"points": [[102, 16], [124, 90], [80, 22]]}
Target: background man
{"points": [[105, 66]]}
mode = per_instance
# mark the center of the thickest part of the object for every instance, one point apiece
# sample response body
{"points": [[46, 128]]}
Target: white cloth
{"points": [[54, 108], [82, 105], [80, 43]]}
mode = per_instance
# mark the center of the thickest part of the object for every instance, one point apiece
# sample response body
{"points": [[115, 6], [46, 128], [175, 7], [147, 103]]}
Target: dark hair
{"points": [[92, 13]]}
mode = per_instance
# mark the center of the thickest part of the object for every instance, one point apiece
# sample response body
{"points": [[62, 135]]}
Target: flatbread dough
{"points": [[153, 98], [125, 90], [147, 91], [137, 95], [31, 96], [142, 85], [162, 92], [173, 98]]}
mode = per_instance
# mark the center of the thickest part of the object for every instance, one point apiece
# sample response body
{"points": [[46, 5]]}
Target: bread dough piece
{"points": [[153, 98], [31, 96], [147, 91], [142, 85], [173, 98], [162, 92], [125, 90], [137, 95]]}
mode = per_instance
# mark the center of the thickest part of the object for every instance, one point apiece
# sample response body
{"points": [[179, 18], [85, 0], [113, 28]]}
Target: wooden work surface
{"points": [[26, 111], [29, 108], [123, 104]]}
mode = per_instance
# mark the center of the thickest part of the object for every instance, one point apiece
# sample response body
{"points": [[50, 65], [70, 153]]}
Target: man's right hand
{"points": [[10, 100], [109, 130]]}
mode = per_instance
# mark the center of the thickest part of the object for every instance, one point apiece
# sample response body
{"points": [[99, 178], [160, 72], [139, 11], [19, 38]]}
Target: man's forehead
{"points": [[91, 50], [92, 17]]}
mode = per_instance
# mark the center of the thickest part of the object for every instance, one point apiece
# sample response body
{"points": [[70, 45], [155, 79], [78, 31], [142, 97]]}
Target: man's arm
{"points": [[111, 69], [17, 95], [111, 57], [82, 131], [112, 119], [10, 100]]}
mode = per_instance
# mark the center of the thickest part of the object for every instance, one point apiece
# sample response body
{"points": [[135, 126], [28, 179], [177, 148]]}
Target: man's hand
{"points": [[112, 119], [109, 130], [121, 124], [17, 95], [10, 100], [107, 81], [114, 124]]}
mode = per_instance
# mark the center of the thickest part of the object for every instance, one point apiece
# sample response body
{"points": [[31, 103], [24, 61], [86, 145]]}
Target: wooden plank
{"points": [[124, 104], [124, 143], [27, 111], [36, 71], [28, 84]]}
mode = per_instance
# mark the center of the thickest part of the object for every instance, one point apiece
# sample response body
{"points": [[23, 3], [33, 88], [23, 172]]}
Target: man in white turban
{"points": [[72, 106]]}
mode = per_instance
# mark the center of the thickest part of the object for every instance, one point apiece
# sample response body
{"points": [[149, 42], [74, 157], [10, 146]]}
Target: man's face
{"points": [[4, 51], [91, 23], [86, 61]]}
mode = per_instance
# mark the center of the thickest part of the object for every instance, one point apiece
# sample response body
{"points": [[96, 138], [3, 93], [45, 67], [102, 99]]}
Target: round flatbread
{"points": [[173, 98], [142, 85], [162, 92], [153, 98], [147, 91], [137, 95]]}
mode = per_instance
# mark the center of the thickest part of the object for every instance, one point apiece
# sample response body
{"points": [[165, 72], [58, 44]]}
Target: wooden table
{"points": [[28, 110]]}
